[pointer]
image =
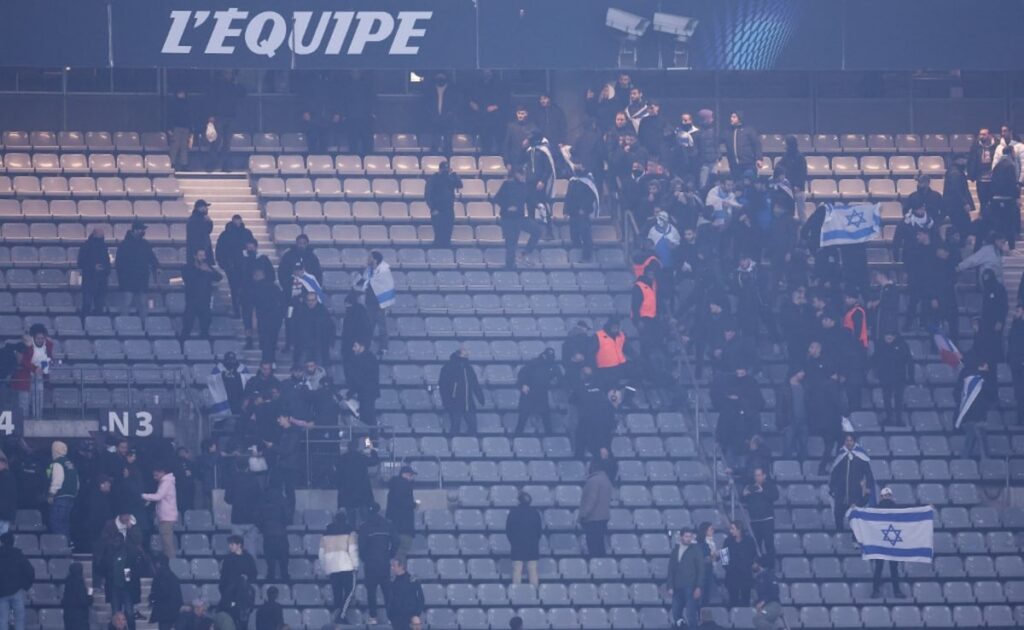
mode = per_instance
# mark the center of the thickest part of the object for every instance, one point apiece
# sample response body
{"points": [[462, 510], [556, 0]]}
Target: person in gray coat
{"points": [[685, 577], [595, 509]]}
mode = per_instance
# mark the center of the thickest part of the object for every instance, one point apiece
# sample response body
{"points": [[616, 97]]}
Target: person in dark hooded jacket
{"points": [[894, 369], [273, 523], [198, 229], [355, 492], [135, 263], [355, 326], [378, 542], [958, 203], [460, 391], [76, 600], [299, 254], [739, 403], [1015, 358], [524, 529], [164, 595], [200, 279], [743, 146], [314, 329], [98, 508], [269, 309], [230, 256], [242, 493], [94, 265], [535, 381]]}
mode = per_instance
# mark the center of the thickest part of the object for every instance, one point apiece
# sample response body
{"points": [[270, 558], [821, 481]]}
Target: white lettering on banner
{"points": [[7, 423], [222, 30], [119, 423], [264, 33]]}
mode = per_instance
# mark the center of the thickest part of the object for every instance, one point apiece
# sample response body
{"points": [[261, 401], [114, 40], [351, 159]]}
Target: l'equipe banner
{"points": [[896, 534]]}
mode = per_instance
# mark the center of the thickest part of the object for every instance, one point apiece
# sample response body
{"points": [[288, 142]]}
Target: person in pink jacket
{"points": [[166, 499]]}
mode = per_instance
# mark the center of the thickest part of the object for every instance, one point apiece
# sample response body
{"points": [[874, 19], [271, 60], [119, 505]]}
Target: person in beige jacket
{"points": [[339, 559], [595, 507]]}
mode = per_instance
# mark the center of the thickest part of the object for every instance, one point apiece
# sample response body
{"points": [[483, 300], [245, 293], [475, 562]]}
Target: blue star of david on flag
{"points": [[847, 224], [855, 219], [892, 535]]}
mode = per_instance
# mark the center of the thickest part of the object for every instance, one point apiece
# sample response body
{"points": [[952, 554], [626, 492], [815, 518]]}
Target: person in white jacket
{"points": [[166, 499], [339, 559]]}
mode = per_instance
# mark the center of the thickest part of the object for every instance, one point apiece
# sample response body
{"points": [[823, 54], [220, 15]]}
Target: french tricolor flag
{"points": [[948, 351]]}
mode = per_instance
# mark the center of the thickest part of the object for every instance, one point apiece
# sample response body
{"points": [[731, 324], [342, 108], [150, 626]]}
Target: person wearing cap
{"points": [[535, 380], [64, 485], [401, 509], [743, 146], [232, 250], [200, 279], [197, 231], [135, 264], [94, 265], [885, 501], [460, 391]]}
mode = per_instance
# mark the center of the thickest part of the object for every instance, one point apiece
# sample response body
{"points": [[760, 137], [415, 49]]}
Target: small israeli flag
{"points": [[972, 387], [851, 224], [895, 534]]}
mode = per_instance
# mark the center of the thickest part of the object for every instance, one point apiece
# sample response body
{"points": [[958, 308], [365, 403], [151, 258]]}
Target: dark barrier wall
{"points": [[540, 34]]}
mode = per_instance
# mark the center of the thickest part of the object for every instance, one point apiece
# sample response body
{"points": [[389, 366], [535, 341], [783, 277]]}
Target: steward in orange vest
{"points": [[611, 343], [645, 298], [856, 320]]}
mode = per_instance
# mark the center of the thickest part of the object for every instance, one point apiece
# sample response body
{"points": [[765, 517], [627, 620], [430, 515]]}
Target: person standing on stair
{"points": [[164, 595], [94, 265], [199, 279], [252, 262], [595, 509], [364, 383], [512, 200], [401, 508], [355, 326], [885, 502], [268, 306], [460, 391], [237, 571], [440, 196], [16, 579], [379, 287], [231, 253], [378, 542], [300, 254], [166, 499], [63, 475], [136, 264], [76, 600], [314, 331], [198, 229]]}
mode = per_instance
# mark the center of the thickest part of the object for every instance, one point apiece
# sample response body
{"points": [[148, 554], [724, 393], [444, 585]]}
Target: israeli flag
{"points": [[972, 387], [851, 224], [309, 282], [895, 534]]}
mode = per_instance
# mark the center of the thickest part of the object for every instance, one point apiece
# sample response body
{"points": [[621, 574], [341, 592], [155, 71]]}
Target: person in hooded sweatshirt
{"points": [[94, 265], [460, 391], [230, 254], [76, 600], [197, 231], [166, 499], [135, 264]]}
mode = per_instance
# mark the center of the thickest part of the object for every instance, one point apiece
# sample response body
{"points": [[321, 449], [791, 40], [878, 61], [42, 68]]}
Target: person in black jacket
{"points": [[708, 145], [488, 106], [94, 265], [268, 307], [743, 147], [894, 369], [851, 482], [16, 579], [925, 197], [179, 122], [524, 529], [378, 542], [739, 403], [270, 616], [199, 279], [314, 331], [980, 160], [759, 498], [401, 509], [76, 600], [976, 415], [958, 203], [355, 493], [135, 263], [198, 229], [406, 602], [512, 200], [582, 201], [597, 422], [289, 461], [230, 254], [535, 381], [237, 571], [299, 254], [364, 382], [98, 508], [273, 524], [355, 326], [440, 197], [793, 165], [460, 391], [242, 492], [164, 595], [550, 120]]}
